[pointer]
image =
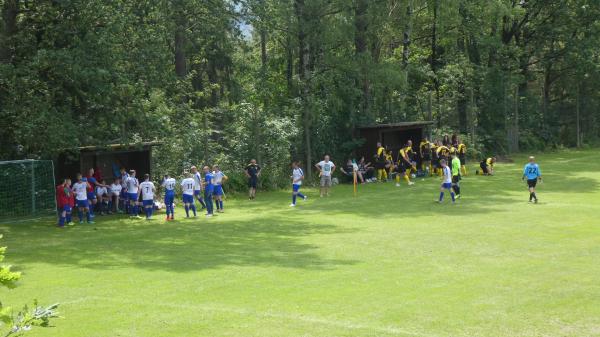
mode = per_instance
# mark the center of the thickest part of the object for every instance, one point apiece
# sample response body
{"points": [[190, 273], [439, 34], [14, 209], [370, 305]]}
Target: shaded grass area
{"points": [[390, 262]]}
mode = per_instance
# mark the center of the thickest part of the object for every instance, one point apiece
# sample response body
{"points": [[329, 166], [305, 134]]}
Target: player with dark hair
{"points": [[252, 172]]}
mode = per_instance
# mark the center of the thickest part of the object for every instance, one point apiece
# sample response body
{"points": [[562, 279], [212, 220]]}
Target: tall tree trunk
{"points": [[407, 33], [10, 9], [578, 117], [265, 103], [180, 61], [361, 26], [303, 63], [434, 60], [289, 74]]}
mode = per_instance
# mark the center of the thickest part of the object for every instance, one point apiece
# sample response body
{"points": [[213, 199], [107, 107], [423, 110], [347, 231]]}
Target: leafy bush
{"points": [[16, 324]]}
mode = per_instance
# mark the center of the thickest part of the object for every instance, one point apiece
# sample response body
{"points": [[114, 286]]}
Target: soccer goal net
{"points": [[26, 189]]}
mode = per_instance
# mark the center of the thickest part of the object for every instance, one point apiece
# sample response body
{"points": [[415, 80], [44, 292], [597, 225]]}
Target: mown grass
{"points": [[390, 262]]}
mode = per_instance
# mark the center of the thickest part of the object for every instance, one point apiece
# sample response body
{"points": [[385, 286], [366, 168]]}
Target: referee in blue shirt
{"points": [[533, 174]]}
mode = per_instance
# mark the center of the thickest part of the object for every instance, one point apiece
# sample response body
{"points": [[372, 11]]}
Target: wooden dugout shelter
{"points": [[108, 158], [392, 135]]}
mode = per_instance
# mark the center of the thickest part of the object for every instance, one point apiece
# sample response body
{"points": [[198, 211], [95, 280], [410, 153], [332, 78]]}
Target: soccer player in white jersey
{"points": [[80, 189], [187, 185], [198, 186], [115, 194], [132, 193], [102, 197], [169, 186], [297, 177], [147, 190], [447, 180], [218, 179]]}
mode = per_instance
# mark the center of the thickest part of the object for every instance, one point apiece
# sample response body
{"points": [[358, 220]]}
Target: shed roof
{"points": [[117, 147], [396, 125]]}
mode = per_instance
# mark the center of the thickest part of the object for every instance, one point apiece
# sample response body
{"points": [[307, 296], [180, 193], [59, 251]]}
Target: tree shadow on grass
{"points": [[184, 246]]}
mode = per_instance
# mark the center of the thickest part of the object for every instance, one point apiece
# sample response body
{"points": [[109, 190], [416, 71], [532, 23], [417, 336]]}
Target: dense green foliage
{"points": [[227, 80], [390, 262], [16, 324]]}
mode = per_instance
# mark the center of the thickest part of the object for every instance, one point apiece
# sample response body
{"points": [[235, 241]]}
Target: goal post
{"points": [[27, 189]]}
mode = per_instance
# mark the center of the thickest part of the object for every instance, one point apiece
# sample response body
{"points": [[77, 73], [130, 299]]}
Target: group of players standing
{"points": [[445, 158], [127, 194], [428, 159]]}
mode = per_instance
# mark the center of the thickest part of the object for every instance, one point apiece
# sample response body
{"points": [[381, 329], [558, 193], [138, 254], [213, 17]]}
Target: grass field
{"points": [[388, 263]]}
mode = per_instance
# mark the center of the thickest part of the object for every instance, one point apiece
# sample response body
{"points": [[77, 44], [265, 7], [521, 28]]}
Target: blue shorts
{"points": [[197, 192], [91, 196], [132, 196], [447, 185], [66, 208], [82, 203], [124, 196], [188, 199], [218, 190], [148, 203], [296, 187], [169, 197]]}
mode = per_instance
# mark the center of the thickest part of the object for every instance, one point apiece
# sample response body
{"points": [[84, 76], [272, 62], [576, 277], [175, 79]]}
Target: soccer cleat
{"points": [[535, 201], [410, 183], [168, 219], [458, 196], [71, 223], [305, 198], [397, 185], [91, 222], [81, 222], [292, 205], [209, 215]]}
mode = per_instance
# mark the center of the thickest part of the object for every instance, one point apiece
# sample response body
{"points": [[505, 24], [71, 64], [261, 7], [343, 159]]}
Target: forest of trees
{"points": [[226, 80]]}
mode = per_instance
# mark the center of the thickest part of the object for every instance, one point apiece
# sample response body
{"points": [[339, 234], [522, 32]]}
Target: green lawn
{"points": [[388, 263]]}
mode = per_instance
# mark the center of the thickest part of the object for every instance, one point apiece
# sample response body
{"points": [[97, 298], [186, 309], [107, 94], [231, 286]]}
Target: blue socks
{"points": [[187, 210], [88, 215], [148, 212], [201, 201], [61, 221], [293, 199], [301, 195], [193, 208], [80, 215], [68, 218], [442, 196]]}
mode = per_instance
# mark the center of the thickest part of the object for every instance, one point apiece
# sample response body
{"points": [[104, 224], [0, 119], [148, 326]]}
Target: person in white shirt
{"points": [[169, 186], [81, 199], [147, 191], [297, 177], [218, 178], [115, 194], [447, 181], [132, 193], [187, 186], [198, 186], [102, 197], [326, 169]]}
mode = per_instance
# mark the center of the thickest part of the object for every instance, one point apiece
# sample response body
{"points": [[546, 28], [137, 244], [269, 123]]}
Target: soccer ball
{"points": [[413, 176]]}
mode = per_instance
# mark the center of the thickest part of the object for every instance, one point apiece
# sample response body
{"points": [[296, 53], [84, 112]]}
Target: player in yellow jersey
{"points": [[405, 164], [487, 166], [442, 153], [380, 163], [425, 155], [389, 163], [435, 161], [462, 155]]}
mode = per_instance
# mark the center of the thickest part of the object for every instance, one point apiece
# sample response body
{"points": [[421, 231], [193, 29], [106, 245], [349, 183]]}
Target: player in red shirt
{"points": [[64, 199]]}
